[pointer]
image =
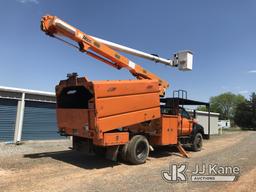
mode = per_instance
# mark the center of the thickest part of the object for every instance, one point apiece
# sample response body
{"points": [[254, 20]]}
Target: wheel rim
{"points": [[141, 150]]}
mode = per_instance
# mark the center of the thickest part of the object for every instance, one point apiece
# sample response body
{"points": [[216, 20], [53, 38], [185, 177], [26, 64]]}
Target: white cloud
{"points": [[28, 1], [243, 92], [252, 71]]}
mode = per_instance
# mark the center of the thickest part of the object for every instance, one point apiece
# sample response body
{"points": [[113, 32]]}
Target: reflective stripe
{"points": [[132, 64]]}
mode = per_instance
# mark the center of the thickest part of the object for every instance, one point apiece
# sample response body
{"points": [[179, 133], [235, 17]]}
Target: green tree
{"points": [[225, 104], [252, 104], [202, 108], [245, 116]]}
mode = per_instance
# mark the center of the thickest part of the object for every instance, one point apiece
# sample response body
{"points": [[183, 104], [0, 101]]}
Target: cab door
{"points": [[185, 122]]}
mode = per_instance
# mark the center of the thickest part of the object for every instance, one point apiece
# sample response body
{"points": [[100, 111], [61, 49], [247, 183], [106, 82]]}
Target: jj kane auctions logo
{"points": [[201, 173]]}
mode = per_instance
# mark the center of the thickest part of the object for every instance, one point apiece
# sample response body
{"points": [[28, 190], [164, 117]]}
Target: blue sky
{"points": [[221, 34]]}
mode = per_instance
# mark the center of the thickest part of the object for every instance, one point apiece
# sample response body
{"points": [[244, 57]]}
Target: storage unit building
{"points": [[27, 115], [202, 118], [8, 110]]}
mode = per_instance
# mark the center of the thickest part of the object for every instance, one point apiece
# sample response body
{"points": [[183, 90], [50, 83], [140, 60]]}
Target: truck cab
{"points": [[189, 130]]}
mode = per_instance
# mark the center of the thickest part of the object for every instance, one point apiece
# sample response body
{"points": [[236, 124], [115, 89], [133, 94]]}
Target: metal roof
{"points": [[30, 95], [18, 90], [202, 112], [181, 101]]}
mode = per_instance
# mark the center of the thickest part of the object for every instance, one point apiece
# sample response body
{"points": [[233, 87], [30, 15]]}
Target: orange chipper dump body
{"points": [[94, 109], [116, 117]]}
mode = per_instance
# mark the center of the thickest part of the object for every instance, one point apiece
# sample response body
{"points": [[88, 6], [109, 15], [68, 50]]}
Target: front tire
{"points": [[197, 142], [138, 150]]}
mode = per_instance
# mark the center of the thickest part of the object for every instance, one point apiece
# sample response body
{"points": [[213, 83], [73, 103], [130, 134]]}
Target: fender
{"points": [[197, 128]]}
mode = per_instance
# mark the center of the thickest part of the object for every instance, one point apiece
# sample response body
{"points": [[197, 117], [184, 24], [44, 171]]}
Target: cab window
{"points": [[184, 113]]}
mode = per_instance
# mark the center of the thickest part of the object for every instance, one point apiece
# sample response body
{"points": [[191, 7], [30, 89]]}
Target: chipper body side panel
{"points": [[90, 109]]}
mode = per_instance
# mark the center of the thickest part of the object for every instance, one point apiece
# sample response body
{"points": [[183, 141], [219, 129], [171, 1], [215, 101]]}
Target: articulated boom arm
{"points": [[54, 26]]}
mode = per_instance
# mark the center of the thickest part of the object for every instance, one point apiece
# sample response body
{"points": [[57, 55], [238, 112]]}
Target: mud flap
{"points": [[112, 152], [82, 145]]}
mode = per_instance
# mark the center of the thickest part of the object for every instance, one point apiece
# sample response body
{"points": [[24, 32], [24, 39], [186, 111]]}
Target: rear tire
{"points": [[138, 150], [197, 142]]}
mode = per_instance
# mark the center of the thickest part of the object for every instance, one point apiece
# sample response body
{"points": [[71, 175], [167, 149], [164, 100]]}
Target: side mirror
{"points": [[194, 114]]}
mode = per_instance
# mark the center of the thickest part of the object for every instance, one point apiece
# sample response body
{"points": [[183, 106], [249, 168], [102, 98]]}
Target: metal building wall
{"points": [[203, 120], [39, 121], [27, 115], [8, 110]]}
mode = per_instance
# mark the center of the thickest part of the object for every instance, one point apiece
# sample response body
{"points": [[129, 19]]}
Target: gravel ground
{"points": [[51, 166]]}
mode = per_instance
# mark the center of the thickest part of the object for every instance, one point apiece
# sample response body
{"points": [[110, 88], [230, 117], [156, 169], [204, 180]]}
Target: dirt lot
{"points": [[51, 166]]}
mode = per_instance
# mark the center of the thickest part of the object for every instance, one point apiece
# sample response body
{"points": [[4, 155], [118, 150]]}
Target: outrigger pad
{"points": [[182, 150]]}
